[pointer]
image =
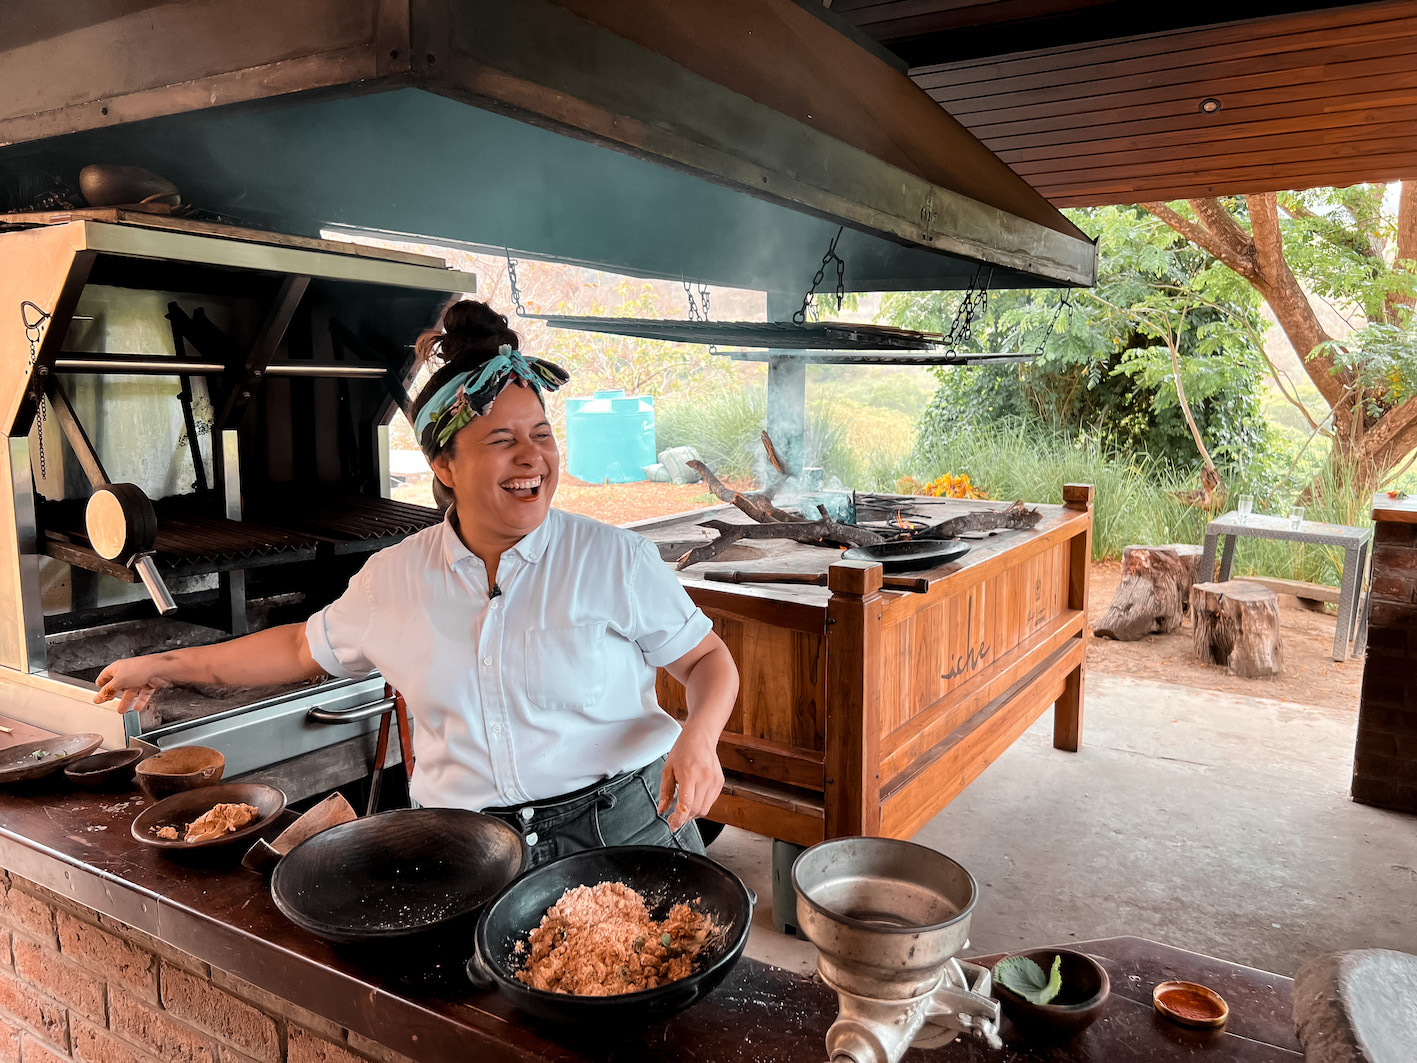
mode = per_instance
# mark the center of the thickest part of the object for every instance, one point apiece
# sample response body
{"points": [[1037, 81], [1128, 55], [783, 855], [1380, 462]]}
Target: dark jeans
{"points": [[618, 811]]}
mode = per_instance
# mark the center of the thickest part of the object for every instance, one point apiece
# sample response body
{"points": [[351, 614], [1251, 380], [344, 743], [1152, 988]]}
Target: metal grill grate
{"points": [[190, 542]]}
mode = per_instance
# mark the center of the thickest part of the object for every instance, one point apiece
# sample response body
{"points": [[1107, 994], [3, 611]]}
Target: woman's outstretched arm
{"points": [[276, 655]]}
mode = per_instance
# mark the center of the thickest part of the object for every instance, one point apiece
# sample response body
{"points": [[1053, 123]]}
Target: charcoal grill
{"points": [[228, 393]]}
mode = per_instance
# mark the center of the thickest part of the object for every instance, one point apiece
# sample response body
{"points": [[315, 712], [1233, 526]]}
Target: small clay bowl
{"points": [[1190, 1004], [1082, 999], [104, 771], [183, 768]]}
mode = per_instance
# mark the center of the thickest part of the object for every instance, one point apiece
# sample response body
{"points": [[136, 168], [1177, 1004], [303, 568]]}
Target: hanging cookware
{"points": [[665, 877], [396, 875]]}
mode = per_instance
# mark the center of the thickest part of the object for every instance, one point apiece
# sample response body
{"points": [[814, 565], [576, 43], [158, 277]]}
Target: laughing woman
{"points": [[524, 639]]}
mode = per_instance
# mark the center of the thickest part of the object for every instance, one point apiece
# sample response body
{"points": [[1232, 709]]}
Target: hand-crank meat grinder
{"points": [[887, 918]]}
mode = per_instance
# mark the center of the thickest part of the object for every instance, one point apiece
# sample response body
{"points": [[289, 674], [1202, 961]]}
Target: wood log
{"points": [[1017, 515], [1154, 592], [1237, 627], [816, 531], [757, 504]]}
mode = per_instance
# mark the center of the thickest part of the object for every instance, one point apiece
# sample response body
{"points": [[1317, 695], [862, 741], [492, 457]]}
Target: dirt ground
{"points": [[624, 503], [1311, 675]]}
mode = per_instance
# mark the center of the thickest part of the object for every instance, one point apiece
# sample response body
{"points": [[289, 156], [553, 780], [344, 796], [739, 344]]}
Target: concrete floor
{"points": [[1212, 822]]}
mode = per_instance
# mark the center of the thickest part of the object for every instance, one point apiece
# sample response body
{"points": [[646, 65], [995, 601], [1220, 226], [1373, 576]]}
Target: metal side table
{"points": [[1355, 558]]}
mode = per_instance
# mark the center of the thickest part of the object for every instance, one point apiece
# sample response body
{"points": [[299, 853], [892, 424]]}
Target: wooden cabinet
{"points": [[864, 711]]}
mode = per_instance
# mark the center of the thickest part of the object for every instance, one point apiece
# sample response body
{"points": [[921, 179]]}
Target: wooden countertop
{"points": [[1395, 510], [677, 534], [78, 845]]}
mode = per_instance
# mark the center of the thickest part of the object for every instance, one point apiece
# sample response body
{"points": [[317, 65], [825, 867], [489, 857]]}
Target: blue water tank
{"points": [[610, 437]]}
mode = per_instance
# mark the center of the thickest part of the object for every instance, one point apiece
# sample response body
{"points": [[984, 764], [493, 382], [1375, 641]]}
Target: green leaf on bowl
{"points": [[1027, 979]]}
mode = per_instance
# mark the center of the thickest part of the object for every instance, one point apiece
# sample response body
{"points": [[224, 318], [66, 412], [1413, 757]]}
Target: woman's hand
{"points": [[710, 681], [692, 768], [276, 655], [134, 680]]}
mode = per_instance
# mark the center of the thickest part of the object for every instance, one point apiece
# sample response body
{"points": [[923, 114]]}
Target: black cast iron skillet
{"points": [[665, 877], [395, 876], [905, 555]]}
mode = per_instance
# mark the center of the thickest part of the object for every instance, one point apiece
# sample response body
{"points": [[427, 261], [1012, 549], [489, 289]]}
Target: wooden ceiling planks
{"points": [[1316, 97]]}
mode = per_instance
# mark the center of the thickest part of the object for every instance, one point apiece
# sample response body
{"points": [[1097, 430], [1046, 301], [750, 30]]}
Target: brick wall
{"points": [[76, 986], [1385, 761]]}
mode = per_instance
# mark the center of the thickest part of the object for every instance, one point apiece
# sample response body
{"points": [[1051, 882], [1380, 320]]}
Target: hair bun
{"points": [[467, 327]]}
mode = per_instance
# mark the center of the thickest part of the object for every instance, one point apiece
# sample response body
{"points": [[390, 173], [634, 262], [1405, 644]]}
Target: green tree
{"points": [[1161, 356], [1355, 249]]}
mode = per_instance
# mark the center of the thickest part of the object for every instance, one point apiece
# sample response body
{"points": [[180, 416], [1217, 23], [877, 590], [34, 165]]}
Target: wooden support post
{"points": [[852, 798], [1067, 711]]}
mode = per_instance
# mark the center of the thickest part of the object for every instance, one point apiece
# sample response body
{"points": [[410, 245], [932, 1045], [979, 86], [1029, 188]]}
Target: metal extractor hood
{"points": [[719, 140]]}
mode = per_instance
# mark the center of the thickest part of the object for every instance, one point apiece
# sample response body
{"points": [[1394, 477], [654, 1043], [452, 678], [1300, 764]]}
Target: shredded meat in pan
{"points": [[599, 941]]}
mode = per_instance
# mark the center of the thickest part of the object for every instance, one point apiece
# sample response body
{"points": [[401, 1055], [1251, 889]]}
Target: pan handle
{"points": [[317, 714], [479, 974]]}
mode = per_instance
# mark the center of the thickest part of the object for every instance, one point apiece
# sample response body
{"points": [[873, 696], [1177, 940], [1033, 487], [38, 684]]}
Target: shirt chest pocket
{"points": [[565, 667]]}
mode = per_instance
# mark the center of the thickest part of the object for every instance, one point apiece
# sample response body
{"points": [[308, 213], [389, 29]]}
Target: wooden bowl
{"points": [[34, 760], [182, 808], [1086, 988], [183, 768], [1190, 1004], [104, 771]]}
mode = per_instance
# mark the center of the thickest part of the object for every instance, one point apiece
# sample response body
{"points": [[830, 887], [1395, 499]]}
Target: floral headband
{"points": [[470, 394]]}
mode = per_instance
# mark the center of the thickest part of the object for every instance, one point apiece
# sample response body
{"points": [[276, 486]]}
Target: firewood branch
{"points": [[802, 531], [756, 505], [1018, 515], [774, 458]]}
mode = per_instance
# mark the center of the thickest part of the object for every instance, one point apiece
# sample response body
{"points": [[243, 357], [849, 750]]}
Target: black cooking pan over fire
{"points": [[397, 876], [665, 877]]}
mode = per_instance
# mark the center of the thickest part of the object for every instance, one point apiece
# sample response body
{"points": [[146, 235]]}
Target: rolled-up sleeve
{"points": [[336, 634], [666, 622]]}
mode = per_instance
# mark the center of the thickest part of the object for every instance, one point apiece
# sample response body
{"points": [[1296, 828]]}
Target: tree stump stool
{"points": [[1237, 627], [1154, 592]]}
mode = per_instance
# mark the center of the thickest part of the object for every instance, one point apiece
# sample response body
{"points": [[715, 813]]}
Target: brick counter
{"points": [[112, 952], [1385, 759], [75, 985]]}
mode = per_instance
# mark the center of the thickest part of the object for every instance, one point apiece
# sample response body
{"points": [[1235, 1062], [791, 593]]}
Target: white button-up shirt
{"points": [[541, 690]]}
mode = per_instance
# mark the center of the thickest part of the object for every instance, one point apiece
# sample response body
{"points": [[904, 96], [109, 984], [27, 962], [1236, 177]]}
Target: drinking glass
{"points": [[1246, 507], [1296, 517]]}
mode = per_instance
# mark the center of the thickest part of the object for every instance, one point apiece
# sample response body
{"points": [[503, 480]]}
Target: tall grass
{"points": [[1133, 503], [868, 449], [1024, 461], [860, 448]]}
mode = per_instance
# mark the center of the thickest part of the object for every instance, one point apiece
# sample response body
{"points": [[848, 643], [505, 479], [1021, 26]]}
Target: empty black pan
{"points": [[397, 876], [905, 555], [665, 877]]}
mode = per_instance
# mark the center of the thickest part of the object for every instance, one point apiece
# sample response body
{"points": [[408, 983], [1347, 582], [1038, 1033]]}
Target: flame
{"points": [[902, 523]]}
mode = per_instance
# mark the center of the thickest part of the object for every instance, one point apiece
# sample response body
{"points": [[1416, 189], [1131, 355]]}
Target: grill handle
{"points": [[317, 714], [152, 580]]}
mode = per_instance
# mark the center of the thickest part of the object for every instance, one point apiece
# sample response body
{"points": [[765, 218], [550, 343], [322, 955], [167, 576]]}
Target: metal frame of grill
{"points": [[244, 382]]}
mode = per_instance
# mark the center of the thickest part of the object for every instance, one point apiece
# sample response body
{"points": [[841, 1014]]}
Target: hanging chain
{"points": [[698, 309], [34, 332], [1065, 302], [512, 280], [974, 304], [808, 300]]}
